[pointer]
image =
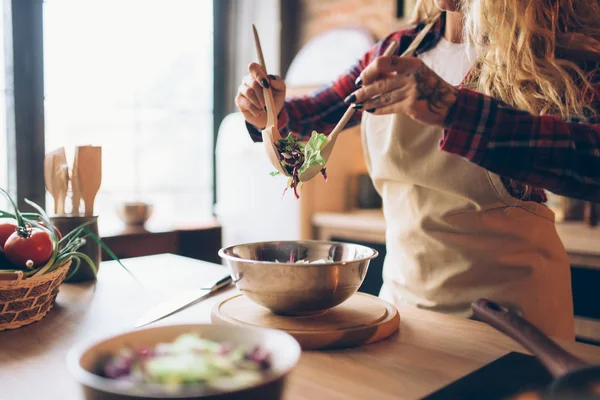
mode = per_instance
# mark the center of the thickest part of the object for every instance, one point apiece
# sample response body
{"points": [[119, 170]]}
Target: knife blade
{"points": [[180, 301]]}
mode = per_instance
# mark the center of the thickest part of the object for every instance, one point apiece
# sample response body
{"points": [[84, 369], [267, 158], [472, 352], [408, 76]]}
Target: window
{"points": [[136, 77], [3, 136]]}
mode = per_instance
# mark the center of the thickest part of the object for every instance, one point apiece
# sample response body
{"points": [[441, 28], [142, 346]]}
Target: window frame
{"points": [[24, 71], [221, 71], [23, 29]]}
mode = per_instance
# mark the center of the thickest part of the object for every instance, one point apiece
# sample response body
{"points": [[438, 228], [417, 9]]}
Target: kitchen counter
{"points": [[581, 242], [430, 350]]}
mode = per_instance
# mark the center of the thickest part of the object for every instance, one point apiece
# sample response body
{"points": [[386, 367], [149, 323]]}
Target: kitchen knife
{"points": [[180, 301]]}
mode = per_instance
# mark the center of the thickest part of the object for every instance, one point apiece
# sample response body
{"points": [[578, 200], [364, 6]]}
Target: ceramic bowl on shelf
{"points": [[303, 277], [134, 213], [85, 362]]}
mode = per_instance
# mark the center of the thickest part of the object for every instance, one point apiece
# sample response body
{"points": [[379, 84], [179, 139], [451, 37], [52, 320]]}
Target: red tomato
{"points": [[58, 234], [7, 228], [37, 246], [55, 230]]}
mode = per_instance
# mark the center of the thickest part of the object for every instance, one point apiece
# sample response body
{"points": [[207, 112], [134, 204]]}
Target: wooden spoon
{"points": [[56, 177], [332, 137], [89, 172], [270, 135], [75, 189]]}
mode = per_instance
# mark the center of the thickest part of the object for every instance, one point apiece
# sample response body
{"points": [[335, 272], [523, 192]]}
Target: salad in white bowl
{"points": [[186, 361], [190, 359]]}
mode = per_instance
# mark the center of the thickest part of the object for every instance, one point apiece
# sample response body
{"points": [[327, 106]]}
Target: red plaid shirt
{"points": [[530, 152]]}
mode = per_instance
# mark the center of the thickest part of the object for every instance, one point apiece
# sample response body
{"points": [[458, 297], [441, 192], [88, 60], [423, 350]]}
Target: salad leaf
{"points": [[296, 157], [312, 151]]}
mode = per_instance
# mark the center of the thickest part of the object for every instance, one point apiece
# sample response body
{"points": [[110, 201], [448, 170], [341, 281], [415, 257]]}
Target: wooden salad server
{"points": [[56, 177], [270, 135]]}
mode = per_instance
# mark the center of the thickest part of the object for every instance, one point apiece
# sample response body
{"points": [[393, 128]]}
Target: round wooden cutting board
{"points": [[360, 320]]}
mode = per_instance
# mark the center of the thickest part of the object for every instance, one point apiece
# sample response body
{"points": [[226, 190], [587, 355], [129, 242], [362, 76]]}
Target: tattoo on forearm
{"points": [[431, 89]]}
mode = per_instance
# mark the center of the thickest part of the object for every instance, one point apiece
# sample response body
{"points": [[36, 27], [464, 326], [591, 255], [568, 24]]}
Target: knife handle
{"points": [[221, 283]]}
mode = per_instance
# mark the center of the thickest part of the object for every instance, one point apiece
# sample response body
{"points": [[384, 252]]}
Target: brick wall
{"points": [[378, 16]]}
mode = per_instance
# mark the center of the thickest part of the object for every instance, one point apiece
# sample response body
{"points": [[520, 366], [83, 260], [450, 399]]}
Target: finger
{"points": [[259, 75], [401, 106], [248, 93], [386, 65], [277, 83], [254, 92], [377, 88], [389, 109], [387, 98], [245, 105]]}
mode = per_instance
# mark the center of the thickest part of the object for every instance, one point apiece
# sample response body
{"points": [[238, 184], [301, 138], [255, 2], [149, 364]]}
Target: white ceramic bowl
{"points": [[83, 358]]}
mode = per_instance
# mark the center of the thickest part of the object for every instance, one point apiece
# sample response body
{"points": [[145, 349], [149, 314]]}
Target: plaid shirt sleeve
{"points": [[322, 109], [542, 151]]}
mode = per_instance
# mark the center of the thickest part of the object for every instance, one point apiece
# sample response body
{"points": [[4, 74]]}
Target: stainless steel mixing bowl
{"points": [[267, 273]]}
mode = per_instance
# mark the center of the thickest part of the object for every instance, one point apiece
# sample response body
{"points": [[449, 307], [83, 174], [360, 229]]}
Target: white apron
{"points": [[455, 234]]}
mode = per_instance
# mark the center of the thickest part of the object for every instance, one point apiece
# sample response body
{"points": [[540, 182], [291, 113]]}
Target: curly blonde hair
{"points": [[536, 55]]}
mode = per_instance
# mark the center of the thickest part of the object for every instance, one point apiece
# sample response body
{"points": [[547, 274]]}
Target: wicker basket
{"points": [[27, 300]]}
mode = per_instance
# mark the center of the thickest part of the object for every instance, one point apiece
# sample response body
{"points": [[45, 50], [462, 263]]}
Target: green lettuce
{"points": [[296, 157], [312, 151]]}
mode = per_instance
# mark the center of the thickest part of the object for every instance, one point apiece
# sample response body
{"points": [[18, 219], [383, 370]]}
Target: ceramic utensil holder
{"points": [[67, 223]]}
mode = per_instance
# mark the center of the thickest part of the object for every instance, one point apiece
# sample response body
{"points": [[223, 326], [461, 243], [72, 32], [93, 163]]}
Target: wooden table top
{"points": [[430, 350]]}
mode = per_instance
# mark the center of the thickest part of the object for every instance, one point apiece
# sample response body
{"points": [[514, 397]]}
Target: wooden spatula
{"points": [[56, 177], [89, 173]]}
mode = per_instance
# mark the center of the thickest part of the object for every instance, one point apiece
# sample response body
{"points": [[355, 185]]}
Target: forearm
{"points": [[542, 151]]}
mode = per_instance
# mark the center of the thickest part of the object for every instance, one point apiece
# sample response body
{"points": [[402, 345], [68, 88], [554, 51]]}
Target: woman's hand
{"points": [[403, 85], [250, 99]]}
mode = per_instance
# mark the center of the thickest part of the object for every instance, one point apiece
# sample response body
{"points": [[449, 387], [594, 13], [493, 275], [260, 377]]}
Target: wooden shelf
{"points": [[112, 229], [201, 241], [581, 242]]}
